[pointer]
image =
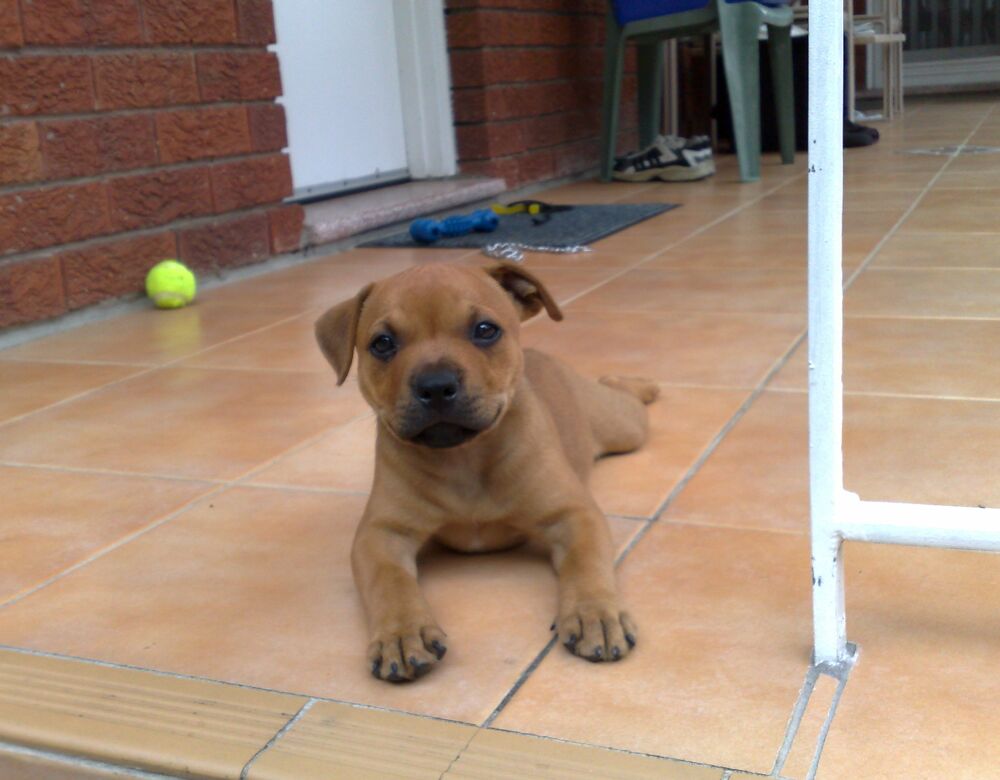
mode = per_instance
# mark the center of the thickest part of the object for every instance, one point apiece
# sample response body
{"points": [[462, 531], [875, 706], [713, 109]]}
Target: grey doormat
{"points": [[579, 226]]}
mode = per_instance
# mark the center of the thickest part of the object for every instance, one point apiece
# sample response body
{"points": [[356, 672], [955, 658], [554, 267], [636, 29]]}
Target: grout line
{"points": [[461, 750], [881, 394], [842, 673], [695, 232], [78, 764], [109, 472], [637, 537], [795, 720], [169, 364], [73, 362], [278, 735], [923, 193], [25, 593]]}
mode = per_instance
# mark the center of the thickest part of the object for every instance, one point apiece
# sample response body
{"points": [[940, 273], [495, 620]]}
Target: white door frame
{"points": [[425, 88]]}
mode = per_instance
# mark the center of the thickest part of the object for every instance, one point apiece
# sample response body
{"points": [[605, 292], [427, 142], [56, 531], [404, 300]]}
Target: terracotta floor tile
{"points": [[685, 348], [864, 200], [339, 741], [27, 386], [925, 293], [938, 250], [920, 701], [799, 760], [951, 200], [724, 637], [343, 459], [53, 520], [895, 449], [762, 220], [709, 250], [912, 357], [151, 336], [500, 755], [321, 282], [184, 422], [967, 179], [26, 766], [772, 291], [272, 568], [134, 719], [963, 218], [683, 422]]}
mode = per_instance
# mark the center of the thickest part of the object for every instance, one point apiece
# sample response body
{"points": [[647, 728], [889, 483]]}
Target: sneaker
{"points": [[668, 158]]}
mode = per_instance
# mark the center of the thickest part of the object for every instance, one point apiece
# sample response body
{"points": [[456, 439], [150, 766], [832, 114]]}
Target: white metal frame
{"points": [[425, 88], [837, 515]]}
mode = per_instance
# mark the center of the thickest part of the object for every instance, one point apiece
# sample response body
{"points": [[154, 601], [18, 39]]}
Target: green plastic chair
{"points": [[738, 24]]}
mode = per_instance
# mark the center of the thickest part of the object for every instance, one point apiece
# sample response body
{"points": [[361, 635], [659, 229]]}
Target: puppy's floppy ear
{"points": [[337, 330], [527, 291]]}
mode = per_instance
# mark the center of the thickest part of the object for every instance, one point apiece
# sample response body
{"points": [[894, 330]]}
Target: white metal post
{"points": [[826, 199]]}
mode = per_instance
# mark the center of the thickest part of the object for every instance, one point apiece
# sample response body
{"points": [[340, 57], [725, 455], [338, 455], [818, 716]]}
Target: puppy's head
{"points": [[439, 354]]}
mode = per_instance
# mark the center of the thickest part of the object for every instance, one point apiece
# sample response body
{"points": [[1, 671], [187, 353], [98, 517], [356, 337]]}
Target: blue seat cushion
{"points": [[636, 10]]}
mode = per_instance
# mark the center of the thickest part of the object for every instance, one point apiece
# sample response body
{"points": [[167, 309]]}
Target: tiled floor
{"points": [[180, 490]]}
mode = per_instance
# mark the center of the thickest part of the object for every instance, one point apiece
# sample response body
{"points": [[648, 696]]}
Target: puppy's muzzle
{"points": [[440, 413]]}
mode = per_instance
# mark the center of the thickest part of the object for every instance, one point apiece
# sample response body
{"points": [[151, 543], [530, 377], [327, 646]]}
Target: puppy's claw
{"points": [[376, 668], [616, 653], [438, 649], [597, 654], [630, 639]]}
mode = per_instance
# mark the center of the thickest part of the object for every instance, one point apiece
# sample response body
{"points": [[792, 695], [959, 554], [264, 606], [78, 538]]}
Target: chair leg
{"points": [[780, 46], [738, 25], [649, 64], [614, 56]]}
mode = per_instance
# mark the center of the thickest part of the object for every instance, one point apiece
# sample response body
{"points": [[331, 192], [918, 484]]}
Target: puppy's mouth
{"points": [[444, 434]]}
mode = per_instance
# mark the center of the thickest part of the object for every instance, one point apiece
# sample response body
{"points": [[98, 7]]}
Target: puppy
{"points": [[481, 445]]}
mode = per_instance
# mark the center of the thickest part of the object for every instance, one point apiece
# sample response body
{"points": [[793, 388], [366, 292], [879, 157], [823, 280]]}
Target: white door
{"points": [[340, 72]]}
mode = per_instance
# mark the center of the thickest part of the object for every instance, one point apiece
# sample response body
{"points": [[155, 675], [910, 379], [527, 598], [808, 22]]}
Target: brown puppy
{"points": [[481, 445]]}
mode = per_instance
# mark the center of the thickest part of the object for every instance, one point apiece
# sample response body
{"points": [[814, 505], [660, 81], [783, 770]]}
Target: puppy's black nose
{"points": [[436, 388]]}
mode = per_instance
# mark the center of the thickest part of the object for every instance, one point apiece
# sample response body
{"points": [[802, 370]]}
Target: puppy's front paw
{"points": [[597, 631], [405, 655]]}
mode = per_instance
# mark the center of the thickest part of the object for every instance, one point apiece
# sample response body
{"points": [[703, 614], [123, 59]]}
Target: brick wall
{"points": [[527, 85], [131, 131]]}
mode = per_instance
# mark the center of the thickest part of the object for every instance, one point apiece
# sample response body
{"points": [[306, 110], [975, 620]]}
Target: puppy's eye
{"points": [[383, 346], [485, 332]]}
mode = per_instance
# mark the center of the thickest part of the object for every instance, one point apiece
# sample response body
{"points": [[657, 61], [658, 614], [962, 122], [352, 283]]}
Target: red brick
{"points": [[85, 147], [30, 291], [160, 197], [189, 21], [286, 228], [251, 182], [141, 80], [255, 21], [45, 85], [191, 134], [576, 157], [267, 127], [112, 268], [20, 157], [568, 6], [484, 67], [510, 101], [34, 219], [226, 243], [504, 28], [10, 25], [238, 75], [476, 142], [65, 22]]}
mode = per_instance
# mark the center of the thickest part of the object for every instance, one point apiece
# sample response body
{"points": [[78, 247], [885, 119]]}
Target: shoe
{"points": [[668, 158], [858, 135]]}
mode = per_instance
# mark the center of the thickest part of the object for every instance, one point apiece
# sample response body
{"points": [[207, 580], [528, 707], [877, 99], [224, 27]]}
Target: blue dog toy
{"points": [[427, 231]]}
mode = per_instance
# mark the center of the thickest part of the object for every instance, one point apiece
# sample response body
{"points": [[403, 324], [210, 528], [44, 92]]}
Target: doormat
{"points": [[581, 225]]}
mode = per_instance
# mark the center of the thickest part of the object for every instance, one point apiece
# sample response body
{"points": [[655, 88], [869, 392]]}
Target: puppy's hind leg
{"points": [[616, 409]]}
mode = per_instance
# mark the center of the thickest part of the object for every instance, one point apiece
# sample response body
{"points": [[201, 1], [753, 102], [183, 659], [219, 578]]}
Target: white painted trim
{"points": [[826, 315], [425, 88], [958, 527], [952, 73]]}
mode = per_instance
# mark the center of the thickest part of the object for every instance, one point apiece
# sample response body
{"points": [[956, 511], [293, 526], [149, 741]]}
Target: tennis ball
{"points": [[170, 284]]}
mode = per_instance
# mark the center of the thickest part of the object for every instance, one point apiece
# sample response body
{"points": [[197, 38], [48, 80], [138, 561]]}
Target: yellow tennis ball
{"points": [[170, 284]]}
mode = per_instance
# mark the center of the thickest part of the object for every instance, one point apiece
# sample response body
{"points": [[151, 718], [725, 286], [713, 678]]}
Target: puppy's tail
{"points": [[646, 390]]}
